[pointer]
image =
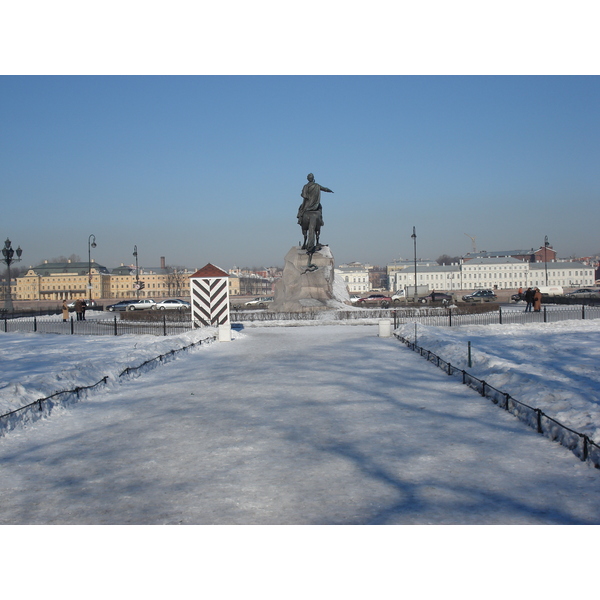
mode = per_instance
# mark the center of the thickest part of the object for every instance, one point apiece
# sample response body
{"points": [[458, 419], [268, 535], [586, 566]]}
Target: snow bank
{"points": [[35, 366], [550, 366]]}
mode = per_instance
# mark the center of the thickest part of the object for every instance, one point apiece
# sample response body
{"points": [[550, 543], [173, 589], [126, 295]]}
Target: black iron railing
{"points": [[579, 443]]}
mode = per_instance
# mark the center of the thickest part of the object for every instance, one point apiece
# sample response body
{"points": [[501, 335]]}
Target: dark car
{"points": [[123, 305], [517, 297], [482, 295], [381, 299], [436, 297]]}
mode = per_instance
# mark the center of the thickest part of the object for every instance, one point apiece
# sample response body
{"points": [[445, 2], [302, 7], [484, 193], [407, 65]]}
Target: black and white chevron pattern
{"points": [[210, 301]]}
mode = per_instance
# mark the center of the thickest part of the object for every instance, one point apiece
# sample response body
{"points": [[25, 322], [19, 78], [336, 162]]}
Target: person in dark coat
{"points": [[79, 309], [528, 297]]}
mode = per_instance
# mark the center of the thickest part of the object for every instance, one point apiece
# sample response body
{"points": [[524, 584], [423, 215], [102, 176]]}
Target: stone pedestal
{"points": [[303, 288]]}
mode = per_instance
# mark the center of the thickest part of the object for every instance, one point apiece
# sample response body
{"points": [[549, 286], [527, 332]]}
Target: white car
{"points": [[259, 302], [141, 304], [173, 304]]}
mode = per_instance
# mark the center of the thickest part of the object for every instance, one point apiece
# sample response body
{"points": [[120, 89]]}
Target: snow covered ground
{"points": [[551, 366], [307, 425], [327, 424], [34, 366]]}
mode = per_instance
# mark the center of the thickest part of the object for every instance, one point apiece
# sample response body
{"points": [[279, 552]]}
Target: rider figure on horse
{"points": [[310, 216]]}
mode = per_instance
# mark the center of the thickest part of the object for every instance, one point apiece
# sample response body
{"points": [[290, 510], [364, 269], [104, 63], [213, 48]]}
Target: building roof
{"points": [[74, 268], [210, 271], [122, 270], [494, 261], [352, 269], [560, 265], [499, 253]]}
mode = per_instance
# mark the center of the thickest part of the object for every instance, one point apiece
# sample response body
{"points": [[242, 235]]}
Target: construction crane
{"points": [[473, 240]]}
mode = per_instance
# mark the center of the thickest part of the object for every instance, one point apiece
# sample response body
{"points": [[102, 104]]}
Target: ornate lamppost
{"points": [[546, 258], [8, 254], [414, 237], [137, 273], [91, 244]]}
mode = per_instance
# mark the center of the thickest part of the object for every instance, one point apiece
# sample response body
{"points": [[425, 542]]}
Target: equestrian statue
{"points": [[310, 214]]}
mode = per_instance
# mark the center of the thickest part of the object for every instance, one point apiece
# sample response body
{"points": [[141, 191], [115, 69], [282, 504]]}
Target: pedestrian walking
{"points": [[65, 311]]}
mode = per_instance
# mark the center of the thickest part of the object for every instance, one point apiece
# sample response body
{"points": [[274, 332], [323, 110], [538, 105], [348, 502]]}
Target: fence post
{"points": [[583, 311], [5, 325], [545, 319], [500, 314], [585, 448], [115, 325], [539, 420], [469, 362], [34, 324], [483, 384], [164, 324], [449, 317], [72, 327]]}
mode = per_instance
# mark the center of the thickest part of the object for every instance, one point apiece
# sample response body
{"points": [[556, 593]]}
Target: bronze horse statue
{"points": [[310, 213]]}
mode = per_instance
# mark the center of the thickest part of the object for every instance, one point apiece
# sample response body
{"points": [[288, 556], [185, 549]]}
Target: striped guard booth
{"points": [[209, 288]]}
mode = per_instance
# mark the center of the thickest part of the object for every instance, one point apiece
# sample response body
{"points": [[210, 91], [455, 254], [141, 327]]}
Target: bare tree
{"points": [[175, 279], [62, 259], [444, 259]]}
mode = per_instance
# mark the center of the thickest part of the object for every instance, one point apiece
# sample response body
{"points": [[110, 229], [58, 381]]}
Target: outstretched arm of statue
{"points": [[324, 189]]}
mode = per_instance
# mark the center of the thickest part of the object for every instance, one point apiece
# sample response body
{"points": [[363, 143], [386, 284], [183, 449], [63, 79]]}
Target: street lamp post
{"points": [[546, 258], [137, 273], [91, 244], [8, 259], [414, 237]]}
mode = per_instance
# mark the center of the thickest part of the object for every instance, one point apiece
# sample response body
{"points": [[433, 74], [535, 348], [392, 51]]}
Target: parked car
{"points": [[122, 305], [171, 304], [259, 302], [482, 295], [141, 304], [436, 297], [381, 299], [583, 293], [517, 297], [354, 299], [132, 305]]}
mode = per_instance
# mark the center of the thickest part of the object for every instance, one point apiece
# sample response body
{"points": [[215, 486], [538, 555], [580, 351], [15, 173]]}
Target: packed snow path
{"points": [[296, 425]]}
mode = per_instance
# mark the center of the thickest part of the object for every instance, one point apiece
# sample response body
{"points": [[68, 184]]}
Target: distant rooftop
{"points": [[75, 268]]}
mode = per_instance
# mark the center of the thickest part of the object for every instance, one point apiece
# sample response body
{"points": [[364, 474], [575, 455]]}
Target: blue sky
{"points": [[209, 168]]}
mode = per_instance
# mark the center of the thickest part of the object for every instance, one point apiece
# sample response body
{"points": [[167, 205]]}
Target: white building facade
{"points": [[356, 277], [496, 274]]}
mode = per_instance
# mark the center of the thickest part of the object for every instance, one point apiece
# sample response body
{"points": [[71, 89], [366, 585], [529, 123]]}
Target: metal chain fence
{"points": [[579, 443], [33, 411], [439, 317]]}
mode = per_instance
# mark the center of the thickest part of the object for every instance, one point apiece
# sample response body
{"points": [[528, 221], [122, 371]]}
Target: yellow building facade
{"points": [[69, 281]]}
